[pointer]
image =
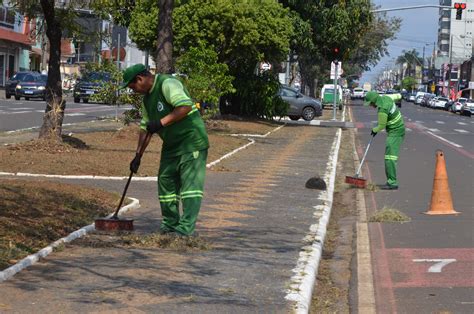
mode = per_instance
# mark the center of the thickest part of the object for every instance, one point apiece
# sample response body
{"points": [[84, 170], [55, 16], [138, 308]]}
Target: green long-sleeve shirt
{"points": [[389, 117]]}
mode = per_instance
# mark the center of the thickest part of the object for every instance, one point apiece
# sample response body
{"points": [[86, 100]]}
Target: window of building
{"points": [[7, 17]]}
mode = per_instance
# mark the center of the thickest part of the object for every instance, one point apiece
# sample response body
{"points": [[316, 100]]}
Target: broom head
{"points": [[356, 181]]}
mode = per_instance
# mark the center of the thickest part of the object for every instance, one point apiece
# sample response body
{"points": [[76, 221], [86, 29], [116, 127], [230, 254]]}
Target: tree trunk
{"points": [[55, 104], [164, 45]]}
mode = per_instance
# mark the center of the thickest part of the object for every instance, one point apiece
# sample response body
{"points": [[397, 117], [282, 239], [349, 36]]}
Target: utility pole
{"points": [[450, 64], [423, 67]]}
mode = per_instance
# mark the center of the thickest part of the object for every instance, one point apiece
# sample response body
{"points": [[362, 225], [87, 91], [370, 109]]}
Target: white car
{"points": [[358, 93], [457, 105], [468, 108], [439, 102]]}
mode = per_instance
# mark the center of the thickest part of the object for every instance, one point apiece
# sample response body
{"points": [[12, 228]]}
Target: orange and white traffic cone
{"points": [[441, 201]]}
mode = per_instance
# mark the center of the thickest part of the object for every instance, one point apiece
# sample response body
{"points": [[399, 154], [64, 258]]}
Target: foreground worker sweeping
{"points": [[168, 110], [389, 118]]}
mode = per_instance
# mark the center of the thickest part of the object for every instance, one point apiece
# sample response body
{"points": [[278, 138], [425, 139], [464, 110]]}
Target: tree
{"points": [[411, 59], [205, 78], [56, 21], [164, 45], [409, 83], [334, 24]]}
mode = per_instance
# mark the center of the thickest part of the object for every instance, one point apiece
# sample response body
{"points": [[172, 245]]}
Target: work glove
{"points": [[373, 133], [135, 164], [154, 126]]}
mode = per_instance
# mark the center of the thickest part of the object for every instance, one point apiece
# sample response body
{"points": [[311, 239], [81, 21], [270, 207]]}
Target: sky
{"points": [[419, 28]]}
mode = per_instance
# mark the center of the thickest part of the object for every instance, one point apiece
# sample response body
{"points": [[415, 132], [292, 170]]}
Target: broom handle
{"points": [[115, 216], [363, 158]]}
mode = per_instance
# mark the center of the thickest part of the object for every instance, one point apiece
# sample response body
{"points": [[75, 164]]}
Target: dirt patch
{"points": [[152, 240], [331, 291], [389, 215], [109, 153], [35, 213]]}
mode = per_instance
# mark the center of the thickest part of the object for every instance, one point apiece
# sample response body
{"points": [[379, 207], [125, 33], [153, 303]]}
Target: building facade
{"points": [[15, 44]]}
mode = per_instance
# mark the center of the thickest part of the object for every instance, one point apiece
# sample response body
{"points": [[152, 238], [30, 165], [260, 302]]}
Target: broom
{"points": [[114, 223], [357, 180]]}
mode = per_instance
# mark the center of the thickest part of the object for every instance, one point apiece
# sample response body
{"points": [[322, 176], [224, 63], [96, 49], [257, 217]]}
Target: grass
{"points": [[35, 213], [387, 214]]}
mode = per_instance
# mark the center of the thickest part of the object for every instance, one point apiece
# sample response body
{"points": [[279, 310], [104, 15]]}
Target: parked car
{"points": [[358, 93], [32, 86], [467, 108], [89, 85], [411, 97], [456, 106], [300, 106], [10, 85], [426, 100], [439, 102], [327, 96]]}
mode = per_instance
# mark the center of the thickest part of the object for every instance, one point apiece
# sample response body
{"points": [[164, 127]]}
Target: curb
{"points": [[33, 258], [306, 270]]}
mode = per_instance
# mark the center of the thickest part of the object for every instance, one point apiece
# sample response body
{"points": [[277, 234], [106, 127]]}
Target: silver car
{"points": [[301, 106]]}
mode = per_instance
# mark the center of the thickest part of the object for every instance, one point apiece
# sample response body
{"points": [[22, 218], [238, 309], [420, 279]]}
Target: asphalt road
{"points": [[23, 114], [425, 265]]}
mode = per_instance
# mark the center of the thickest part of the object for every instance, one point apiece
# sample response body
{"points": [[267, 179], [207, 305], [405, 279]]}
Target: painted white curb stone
{"points": [[33, 258], [302, 282]]}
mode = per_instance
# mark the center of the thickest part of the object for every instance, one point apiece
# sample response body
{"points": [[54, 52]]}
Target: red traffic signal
{"points": [[336, 54], [459, 5]]}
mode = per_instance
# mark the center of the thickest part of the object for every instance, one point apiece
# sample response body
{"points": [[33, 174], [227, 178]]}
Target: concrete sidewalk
{"points": [[256, 213]]}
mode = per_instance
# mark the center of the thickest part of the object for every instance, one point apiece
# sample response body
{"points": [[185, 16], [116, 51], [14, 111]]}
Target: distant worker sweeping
{"points": [[389, 118], [169, 111]]}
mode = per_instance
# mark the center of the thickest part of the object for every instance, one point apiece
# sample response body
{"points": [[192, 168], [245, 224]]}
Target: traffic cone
{"points": [[441, 201]]}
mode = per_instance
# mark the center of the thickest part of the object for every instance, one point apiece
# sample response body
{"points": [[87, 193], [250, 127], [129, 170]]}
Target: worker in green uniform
{"points": [[168, 110], [389, 118]]}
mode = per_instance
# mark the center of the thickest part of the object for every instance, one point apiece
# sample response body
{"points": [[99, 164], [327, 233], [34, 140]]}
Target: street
{"points": [[23, 114], [424, 265]]}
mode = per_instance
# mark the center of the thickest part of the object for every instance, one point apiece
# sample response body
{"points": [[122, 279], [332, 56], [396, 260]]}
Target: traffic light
{"points": [[336, 54], [459, 8]]}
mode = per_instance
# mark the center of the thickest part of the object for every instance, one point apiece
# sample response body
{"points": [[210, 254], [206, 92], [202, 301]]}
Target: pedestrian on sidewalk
{"points": [[169, 111], [391, 119]]}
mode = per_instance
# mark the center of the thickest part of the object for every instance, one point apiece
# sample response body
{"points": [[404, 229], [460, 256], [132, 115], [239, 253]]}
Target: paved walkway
{"points": [[256, 213]]}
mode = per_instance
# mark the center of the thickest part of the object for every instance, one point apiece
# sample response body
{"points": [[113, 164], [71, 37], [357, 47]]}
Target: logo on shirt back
{"points": [[160, 106]]}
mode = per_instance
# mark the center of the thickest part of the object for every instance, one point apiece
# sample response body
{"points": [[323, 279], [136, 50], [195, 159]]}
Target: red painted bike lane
{"points": [[427, 264]]}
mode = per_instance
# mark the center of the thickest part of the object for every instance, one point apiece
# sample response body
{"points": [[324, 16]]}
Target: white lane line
{"points": [[306, 270], [440, 122], [463, 123], [74, 114], [444, 140], [42, 111], [10, 113], [433, 130], [461, 131], [25, 108]]}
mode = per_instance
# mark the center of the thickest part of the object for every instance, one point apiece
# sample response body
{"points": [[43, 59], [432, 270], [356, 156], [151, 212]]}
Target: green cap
{"points": [[130, 73], [370, 97]]}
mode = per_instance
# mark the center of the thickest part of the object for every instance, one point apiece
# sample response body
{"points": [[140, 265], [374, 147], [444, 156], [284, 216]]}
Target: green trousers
{"points": [[181, 178], [392, 148]]}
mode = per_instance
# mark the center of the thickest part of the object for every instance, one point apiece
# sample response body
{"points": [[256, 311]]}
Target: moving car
{"points": [[301, 106], [396, 97], [358, 93], [32, 86], [468, 108], [89, 85], [10, 85]]}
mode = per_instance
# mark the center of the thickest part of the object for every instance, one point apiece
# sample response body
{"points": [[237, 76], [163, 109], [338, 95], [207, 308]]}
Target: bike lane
{"points": [[425, 265]]}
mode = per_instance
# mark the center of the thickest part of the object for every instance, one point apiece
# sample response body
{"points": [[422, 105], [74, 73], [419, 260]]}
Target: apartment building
{"points": [[15, 43]]}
